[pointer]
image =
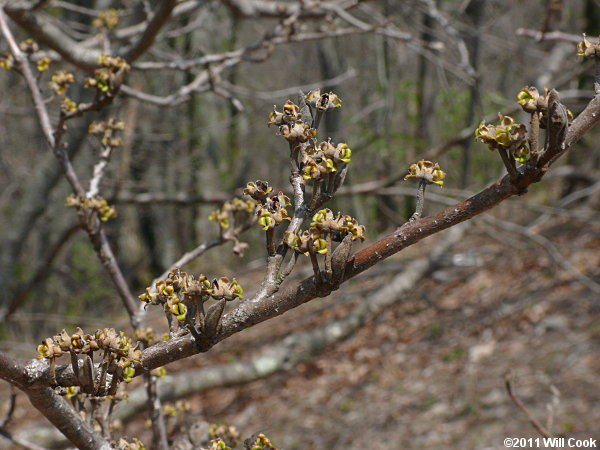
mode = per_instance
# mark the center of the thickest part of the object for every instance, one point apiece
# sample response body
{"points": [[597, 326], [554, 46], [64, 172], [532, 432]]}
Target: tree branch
{"points": [[66, 419], [145, 41], [48, 33]]}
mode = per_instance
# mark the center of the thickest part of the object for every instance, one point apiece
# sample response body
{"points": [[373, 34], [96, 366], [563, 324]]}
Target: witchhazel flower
{"points": [[28, 46], [320, 246], [61, 80], [339, 154], [298, 132], [426, 171], [323, 102], [7, 61], [258, 189], [67, 105], [527, 98], [588, 50], [508, 135], [43, 64], [221, 217], [107, 19], [222, 288], [342, 153], [316, 165], [291, 113]]}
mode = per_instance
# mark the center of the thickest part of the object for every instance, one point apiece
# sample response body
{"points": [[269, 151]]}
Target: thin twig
{"points": [[534, 422], [36, 95], [159, 431], [534, 134], [99, 168], [270, 237], [328, 256], [315, 266], [509, 163], [420, 201]]}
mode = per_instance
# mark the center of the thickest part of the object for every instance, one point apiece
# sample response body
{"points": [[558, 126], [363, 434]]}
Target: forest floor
{"points": [[430, 371]]}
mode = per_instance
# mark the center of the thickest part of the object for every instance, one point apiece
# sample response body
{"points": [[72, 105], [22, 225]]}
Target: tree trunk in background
{"points": [[425, 99], [474, 12], [332, 64], [232, 137]]}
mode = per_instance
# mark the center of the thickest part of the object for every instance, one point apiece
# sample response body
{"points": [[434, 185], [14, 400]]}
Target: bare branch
{"points": [[551, 36], [99, 168], [153, 402], [44, 31], [66, 419], [537, 425], [36, 95], [160, 17]]}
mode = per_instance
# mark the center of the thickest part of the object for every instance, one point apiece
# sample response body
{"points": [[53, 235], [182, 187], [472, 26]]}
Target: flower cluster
{"points": [[7, 61], [297, 132], [223, 435], [532, 101], [233, 210], [109, 76], [324, 224], [291, 114], [60, 81], [309, 242], [98, 204], [290, 123], [107, 19], [106, 131], [317, 161], [588, 50], [323, 102], [508, 136], [120, 354], [262, 442], [272, 211], [426, 171], [135, 444], [28, 46], [180, 291], [258, 190], [67, 105], [43, 64]]}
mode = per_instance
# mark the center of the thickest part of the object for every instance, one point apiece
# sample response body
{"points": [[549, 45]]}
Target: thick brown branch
{"points": [[66, 419], [12, 370]]}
